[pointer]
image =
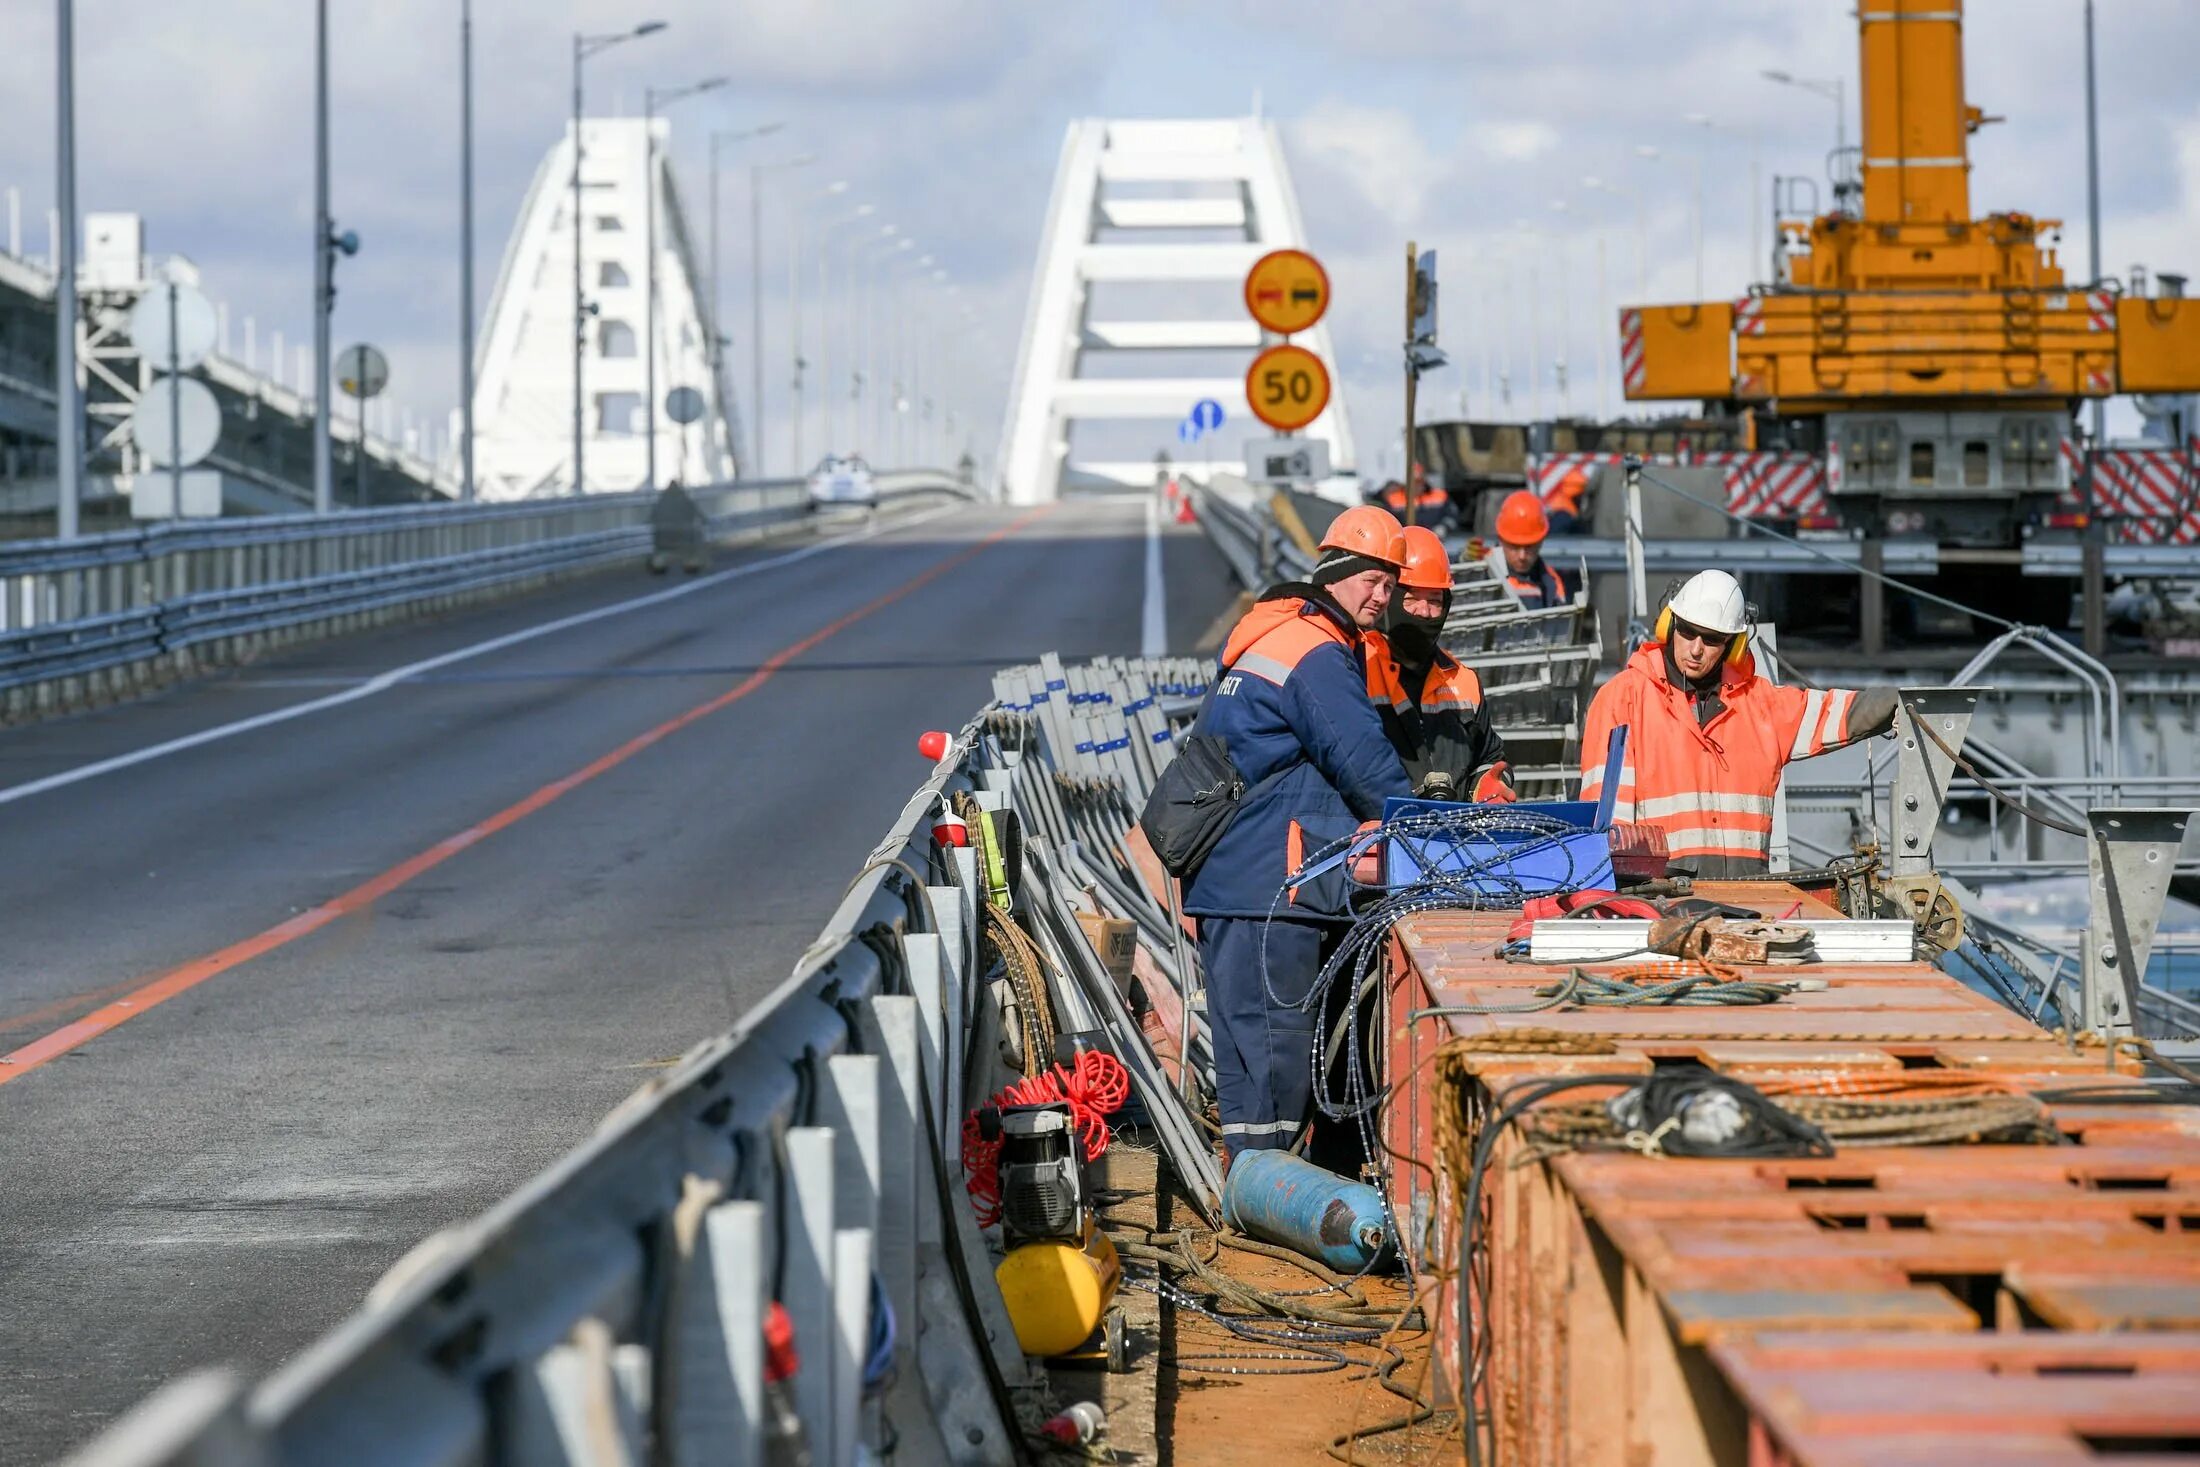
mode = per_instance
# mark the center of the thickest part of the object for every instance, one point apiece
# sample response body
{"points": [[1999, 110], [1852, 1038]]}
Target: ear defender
{"points": [[1738, 648], [1663, 631]]}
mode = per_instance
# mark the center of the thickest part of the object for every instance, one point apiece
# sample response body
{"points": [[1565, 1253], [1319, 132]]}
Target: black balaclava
{"points": [[1413, 640], [1343, 565]]}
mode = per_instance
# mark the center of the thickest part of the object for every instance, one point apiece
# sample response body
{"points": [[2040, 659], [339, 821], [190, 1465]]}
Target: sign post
{"points": [[1421, 354], [174, 325], [362, 372]]}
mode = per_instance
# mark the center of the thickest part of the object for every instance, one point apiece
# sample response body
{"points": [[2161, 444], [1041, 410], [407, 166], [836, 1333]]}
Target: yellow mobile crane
{"points": [[1933, 359]]}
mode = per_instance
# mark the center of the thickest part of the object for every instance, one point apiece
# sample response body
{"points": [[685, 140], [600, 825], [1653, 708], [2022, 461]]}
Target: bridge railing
{"points": [[613, 1309], [99, 617]]}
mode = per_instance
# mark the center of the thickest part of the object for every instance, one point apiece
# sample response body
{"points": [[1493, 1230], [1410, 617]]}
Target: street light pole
{"points": [[585, 46], [68, 396], [1650, 154], [756, 295], [1642, 228], [2093, 198], [1834, 91], [717, 283], [827, 392], [652, 99], [466, 250], [324, 463]]}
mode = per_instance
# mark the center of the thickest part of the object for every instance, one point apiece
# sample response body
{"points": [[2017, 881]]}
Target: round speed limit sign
{"points": [[1287, 387]]}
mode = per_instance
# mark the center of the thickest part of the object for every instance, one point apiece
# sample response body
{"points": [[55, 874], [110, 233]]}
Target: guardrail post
{"points": [[572, 1407], [947, 904], [806, 1276], [849, 1103], [926, 956], [851, 1338], [717, 1369], [890, 1027]]}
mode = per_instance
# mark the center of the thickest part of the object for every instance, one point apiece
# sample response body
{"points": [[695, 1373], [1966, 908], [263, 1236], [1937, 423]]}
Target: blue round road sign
{"points": [[1187, 431], [1207, 415]]}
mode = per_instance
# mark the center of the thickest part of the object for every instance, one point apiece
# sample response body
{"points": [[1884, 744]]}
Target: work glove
{"points": [[1491, 789]]}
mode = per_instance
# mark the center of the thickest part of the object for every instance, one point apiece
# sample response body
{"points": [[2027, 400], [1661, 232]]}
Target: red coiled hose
{"points": [[1095, 1088]]}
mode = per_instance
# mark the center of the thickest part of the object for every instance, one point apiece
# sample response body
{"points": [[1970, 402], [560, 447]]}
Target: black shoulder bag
{"points": [[1194, 800]]}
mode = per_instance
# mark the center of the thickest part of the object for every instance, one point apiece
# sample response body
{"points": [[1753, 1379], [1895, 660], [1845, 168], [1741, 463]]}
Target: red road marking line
{"points": [[21, 1061]]}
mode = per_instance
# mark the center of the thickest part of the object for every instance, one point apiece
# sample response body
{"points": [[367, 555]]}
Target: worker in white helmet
{"points": [[1707, 737]]}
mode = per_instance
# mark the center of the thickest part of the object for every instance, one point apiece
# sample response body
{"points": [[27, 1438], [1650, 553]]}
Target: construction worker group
{"points": [[1334, 695]]}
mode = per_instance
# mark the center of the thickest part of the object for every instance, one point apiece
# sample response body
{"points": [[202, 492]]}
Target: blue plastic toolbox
{"points": [[1573, 849]]}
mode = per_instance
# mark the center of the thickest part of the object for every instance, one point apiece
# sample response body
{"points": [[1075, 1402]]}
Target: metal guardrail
{"points": [[94, 617], [613, 1309], [806, 1156], [1236, 517], [2116, 560]]}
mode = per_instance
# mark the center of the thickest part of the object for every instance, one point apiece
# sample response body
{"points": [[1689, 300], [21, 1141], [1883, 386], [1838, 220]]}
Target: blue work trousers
{"points": [[1264, 1047]]}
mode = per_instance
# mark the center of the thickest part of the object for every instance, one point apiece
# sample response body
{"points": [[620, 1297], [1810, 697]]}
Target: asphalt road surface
{"points": [[278, 1003]]}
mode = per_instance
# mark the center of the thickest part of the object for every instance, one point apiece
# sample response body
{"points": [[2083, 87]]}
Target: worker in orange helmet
{"points": [[1291, 709], [1562, 505], [1707, 736], [1522, 527], [1430, 703]]}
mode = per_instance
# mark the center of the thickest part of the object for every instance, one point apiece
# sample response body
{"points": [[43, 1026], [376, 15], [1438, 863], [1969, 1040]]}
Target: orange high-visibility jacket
{"points": [[1446, 729], [1709, 787]]}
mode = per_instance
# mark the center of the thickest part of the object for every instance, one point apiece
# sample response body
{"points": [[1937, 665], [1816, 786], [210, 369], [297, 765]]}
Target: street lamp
{"points": [[1650, 154], [1833, 91], [466, 251], [585, 46], [1757, 257], [68, 439], [874, 253], [831, 190], [652, 99], [825, 312], [717, 289], [1642, 227], [756, 295], [1603, 317]]}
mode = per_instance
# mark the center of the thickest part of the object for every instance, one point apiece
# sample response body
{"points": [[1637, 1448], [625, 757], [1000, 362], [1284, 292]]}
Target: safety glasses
{"points": [[1687, 632]]}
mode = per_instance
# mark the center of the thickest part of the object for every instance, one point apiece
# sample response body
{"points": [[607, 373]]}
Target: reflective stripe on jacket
{"points": [[1292, 707], [1708, 786], [1546, 588], [1446, 729]]}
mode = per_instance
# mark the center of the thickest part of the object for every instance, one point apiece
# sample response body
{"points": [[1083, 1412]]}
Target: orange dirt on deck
{"points": [[1210, 1416]]}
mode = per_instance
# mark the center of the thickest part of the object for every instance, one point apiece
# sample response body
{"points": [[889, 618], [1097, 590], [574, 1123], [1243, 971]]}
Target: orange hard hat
{"points": [[1521, 520], [1427, 562], [1368, 530]]}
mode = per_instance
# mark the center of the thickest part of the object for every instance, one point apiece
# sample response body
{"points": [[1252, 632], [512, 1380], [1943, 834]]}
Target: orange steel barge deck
{"points": [[1949, 1303]]}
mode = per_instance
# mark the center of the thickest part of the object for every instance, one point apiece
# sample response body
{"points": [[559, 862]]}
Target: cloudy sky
{"points": [[1461, 124]]}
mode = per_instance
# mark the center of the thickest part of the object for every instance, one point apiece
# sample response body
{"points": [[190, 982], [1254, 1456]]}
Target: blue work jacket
{"points": [[1292, 706]]}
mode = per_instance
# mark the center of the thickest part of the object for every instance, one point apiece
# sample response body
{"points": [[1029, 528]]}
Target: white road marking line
{"points": [[1153, 640], [383, 682]]}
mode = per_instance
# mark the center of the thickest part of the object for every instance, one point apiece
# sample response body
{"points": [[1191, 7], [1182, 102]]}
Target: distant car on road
{"points": [[841, 483]]}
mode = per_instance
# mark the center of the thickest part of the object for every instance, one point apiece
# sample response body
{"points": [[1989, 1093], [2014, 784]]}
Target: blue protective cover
{"points": [[1508, 862]]}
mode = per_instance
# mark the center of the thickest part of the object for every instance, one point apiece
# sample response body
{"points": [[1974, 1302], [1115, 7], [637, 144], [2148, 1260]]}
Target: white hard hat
{"points": [[1712, 600]]}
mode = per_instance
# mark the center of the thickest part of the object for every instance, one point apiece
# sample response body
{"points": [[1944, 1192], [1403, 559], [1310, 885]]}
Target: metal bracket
{"points": [[1922, 770], [2129, 860]]}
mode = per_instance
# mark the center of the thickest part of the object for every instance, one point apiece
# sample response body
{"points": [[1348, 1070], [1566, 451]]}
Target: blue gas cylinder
{"points": [[1281, 1198]]}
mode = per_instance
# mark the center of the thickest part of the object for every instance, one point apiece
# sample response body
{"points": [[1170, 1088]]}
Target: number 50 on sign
{"points": [[1287, 387]]}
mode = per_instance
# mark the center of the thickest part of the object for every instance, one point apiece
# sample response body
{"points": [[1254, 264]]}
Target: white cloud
{"points": [[1442, 120], [1515, 142]]}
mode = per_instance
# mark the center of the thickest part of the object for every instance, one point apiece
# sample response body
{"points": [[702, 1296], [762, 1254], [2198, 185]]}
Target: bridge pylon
{"points": [[1149, 232]]}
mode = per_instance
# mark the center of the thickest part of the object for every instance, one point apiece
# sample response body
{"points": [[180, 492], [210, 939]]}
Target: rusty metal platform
{"points": [[1949, 1303]]}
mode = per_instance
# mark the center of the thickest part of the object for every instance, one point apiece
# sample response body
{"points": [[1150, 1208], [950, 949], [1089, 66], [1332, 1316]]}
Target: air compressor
{"points": [[1060, 1273]]}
